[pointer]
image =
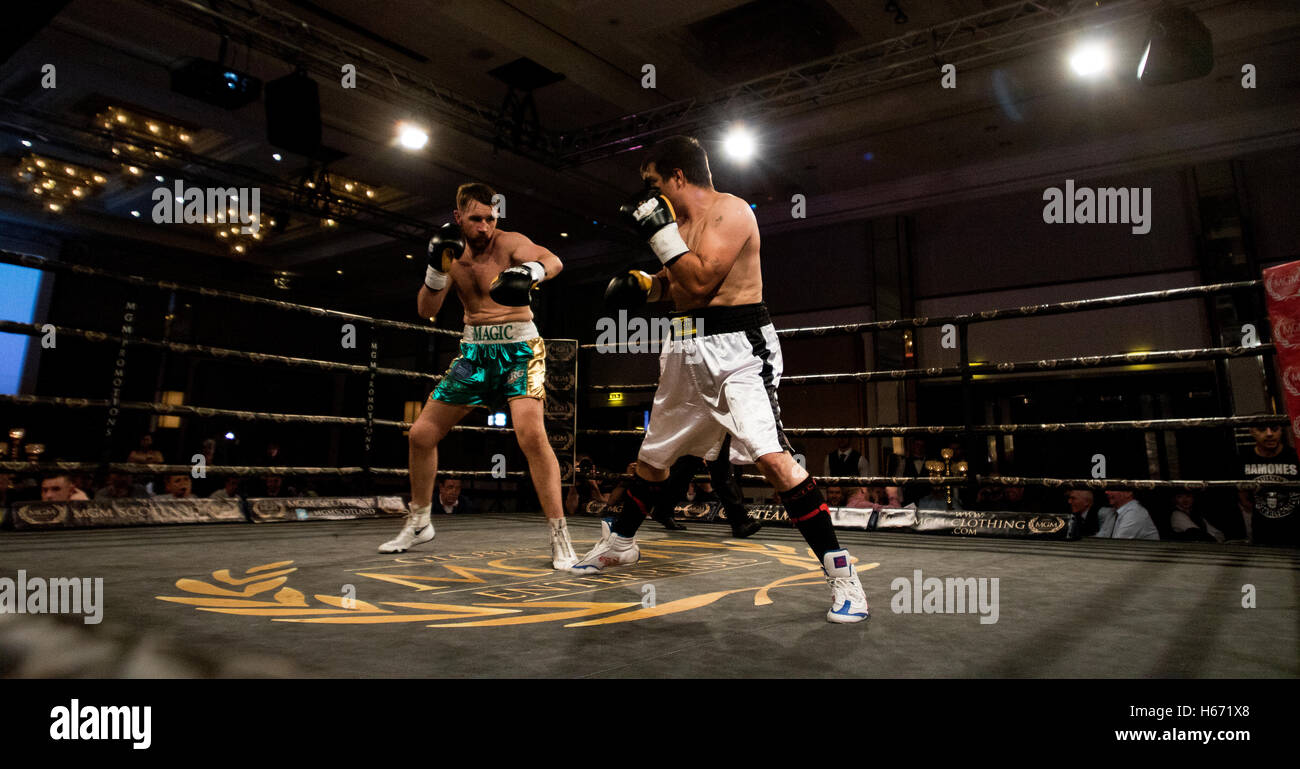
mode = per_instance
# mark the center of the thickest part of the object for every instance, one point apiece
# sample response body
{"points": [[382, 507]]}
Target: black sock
{"points": [[807, 510], [638, 503]]}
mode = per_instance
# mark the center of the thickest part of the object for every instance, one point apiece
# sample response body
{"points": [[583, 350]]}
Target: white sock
{"points": [[558, 525], [420, 515], [620, 542]]}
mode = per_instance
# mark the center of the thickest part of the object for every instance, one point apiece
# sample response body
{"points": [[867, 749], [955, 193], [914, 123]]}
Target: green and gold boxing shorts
{"points": [[497, 364]]}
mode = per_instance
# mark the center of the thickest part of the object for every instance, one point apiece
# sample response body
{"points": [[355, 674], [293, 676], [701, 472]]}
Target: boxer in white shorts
{"points": [[718, 374]]}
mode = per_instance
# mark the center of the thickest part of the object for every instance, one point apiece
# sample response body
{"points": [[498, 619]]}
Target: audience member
{"points": [[57, 488], [1125, 518], [1013, 500], [1085, 511], [274, 486], [1272, 516], [615, 497], [911, 466], [145, 453], [1188, 523], [723, 487], [178, 486], [450, 501], [834, 496], [584, 489], [845, 460], [936, 498], [121, 486], [858, 498], [230, 490]]}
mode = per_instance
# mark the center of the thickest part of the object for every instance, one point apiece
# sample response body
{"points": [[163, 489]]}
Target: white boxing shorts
{"points": [[717, 375]]}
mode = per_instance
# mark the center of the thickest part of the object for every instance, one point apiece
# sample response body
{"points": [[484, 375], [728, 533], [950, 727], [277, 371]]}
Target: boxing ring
{"points": [[286, 589]]}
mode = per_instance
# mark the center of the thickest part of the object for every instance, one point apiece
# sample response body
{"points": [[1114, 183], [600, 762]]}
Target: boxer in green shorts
{"points": [[505, 361], [502, 358]]}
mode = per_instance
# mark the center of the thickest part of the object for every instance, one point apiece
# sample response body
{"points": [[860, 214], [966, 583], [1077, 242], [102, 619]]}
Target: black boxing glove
{"points": [[629, 290], [514, 286], [445, 247], [654, 217]]}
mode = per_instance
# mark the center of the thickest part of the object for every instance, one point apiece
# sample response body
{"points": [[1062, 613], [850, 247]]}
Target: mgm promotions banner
{"points": [[125, 512], [277, 509], [561, 414]]}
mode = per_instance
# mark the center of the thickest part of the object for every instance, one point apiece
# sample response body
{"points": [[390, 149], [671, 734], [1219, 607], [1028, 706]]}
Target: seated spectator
{"points": [[584, 489], [1188, 523], [1085, 510], [58, 488], [615, 497], [1125, 518], [121, 486], [834, 496], [936, 498], [893, 497], [274, 486], [230, 490], [1013, 500], [449, 500], [83, 486], [177, 486], [146, 454], [991, 498], [858, 499]]}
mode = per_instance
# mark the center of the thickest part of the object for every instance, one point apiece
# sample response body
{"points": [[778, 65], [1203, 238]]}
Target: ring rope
{"points": [[56, 265], [10, 466], [1046, 427], [997, 480], [203, 411], [33, 329], [1056, 308], [1047, 364]]}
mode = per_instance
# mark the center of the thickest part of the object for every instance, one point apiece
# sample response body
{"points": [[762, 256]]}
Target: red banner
{"points": [[1282, 291]]}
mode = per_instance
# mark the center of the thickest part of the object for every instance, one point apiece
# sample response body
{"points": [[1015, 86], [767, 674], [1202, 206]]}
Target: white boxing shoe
{"points": [[417, 531], [848, 602], [614, 550], [562, 555]]}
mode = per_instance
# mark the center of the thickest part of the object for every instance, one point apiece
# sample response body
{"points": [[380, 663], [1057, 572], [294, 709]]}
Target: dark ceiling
{"points": [[845, 99]]}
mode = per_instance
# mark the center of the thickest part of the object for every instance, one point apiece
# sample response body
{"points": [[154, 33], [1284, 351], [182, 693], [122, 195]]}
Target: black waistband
{"points": [[707, 321]]}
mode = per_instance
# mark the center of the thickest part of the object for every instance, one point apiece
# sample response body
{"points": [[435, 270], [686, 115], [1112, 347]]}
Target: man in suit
{"points": [[450, 501]]}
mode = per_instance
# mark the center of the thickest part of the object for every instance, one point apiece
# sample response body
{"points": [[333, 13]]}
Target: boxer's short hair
{"points": [[473, 191], [684, 152]]}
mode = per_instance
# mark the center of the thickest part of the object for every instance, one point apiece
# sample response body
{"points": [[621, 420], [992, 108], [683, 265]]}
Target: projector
{"points": [[215, 84]]}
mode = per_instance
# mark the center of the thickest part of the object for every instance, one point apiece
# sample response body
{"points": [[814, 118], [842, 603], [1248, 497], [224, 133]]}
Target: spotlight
{"points": [[27, 143], [276, 157], [1089, 59], [1178, 48], [136, 214], [159, 178], [739, 144], [411, 136], [230, 436], [564, 234]]}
